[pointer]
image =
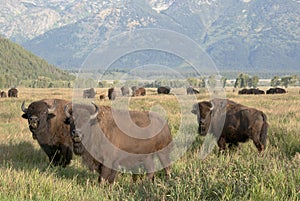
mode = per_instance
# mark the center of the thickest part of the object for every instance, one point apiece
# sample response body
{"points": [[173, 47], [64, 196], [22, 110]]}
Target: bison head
{"points": [[81, 118], [203, 112], [38, 113]]}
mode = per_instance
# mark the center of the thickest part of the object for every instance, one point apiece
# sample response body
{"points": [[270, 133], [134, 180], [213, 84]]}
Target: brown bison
{"points": [[114, 140], [241, 123], [251, 91], [191, 90], [125, 91], [46, 120], [13, 92], [112, 94], [89, 93], [163, 90], [276, 90], [141, 91], [3, 94]]}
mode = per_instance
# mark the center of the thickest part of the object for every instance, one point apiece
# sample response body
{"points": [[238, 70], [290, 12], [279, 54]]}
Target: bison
{"points": [[3, 94], [241, 123], [89, 93], [251, 91], [125, 91], [13, 92], [191, 90], [111, 143], [163, 90], [276, 90], [46, 120], [112, 94], [141, 91]]}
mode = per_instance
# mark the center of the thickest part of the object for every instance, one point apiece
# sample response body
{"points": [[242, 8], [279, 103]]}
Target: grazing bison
{"points": [[276, 90], [191, 90], [46, 119], [13, 92], [241, 122], [163, 90], [89, 93], [112, 94], [141, 91], [251, 91], [108, 134], [125, 91], [3, 94]]}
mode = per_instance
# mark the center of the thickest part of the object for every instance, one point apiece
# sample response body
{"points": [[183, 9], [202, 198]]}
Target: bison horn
{"points": [[24, 109], [67, 113], [94, 116], [52, 109]]}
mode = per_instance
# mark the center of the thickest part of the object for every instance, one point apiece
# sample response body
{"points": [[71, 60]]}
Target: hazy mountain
{"points": [[247, 35]]}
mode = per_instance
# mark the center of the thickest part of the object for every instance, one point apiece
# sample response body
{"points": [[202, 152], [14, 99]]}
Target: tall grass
{"points": [[234, 175]]}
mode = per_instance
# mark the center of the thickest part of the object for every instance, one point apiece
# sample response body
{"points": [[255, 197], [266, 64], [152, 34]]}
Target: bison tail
{"points": [[264, 130]]}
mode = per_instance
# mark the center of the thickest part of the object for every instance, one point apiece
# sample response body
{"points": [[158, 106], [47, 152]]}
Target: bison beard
{"points": [[104, 147], [241, 123]]}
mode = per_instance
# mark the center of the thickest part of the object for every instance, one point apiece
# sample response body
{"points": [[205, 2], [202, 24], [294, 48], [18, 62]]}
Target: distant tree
{"points": [[275, 81], [241, 81], [223, 81], [253, 81], [285, 81]]}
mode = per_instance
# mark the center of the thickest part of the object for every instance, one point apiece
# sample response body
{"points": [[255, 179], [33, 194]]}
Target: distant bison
{"points": [[191, 90], [3, 94], [13, 92], [89, 93], [241, 122], [46, 120], [125, 91], [139, 92], [276, 90], [251, 91], [112, 94], [163, 90], [115, 142]]}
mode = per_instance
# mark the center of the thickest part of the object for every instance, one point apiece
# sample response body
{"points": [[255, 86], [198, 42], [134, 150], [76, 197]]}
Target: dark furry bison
{"points": [[141, 91], [125, 91], [191, 90], [46, 120], [276, 90], [89, 93], [13, 92], [112, 94], [251, 91], [163, 90], [241, 122], [3, 94], [112, 139]]}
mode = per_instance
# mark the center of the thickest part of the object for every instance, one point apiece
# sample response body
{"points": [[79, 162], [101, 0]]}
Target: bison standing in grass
{"points": [[241, 123], [13, 92], [107, 139], [46, 120], [141, 91]]}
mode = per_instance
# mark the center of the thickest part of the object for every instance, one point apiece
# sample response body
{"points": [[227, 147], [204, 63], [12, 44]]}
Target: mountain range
{"points": [[237, 35]]}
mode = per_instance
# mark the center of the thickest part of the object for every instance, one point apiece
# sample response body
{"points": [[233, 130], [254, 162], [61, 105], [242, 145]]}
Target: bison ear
{"points": [[25, 116], [51, 115], [205, 104]]}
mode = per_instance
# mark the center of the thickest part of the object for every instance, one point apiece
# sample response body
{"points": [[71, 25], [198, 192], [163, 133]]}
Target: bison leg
{"points": [[259, 145], [165, 160], [107, 174], [150, 168], [222, 143]]}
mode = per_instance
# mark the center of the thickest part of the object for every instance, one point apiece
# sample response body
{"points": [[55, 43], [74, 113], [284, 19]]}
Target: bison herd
{"points": [[99, 134], [12, 92], [275, 90]]}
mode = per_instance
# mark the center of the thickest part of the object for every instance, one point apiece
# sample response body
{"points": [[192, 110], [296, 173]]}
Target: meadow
{"points": [[233, 175]]}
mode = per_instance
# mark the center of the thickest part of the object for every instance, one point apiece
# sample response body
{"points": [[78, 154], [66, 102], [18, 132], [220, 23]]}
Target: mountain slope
{"points": [[18, 64]]}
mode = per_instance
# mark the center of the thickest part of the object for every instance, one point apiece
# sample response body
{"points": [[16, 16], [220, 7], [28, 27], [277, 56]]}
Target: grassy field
{"points": [[237, 175]]}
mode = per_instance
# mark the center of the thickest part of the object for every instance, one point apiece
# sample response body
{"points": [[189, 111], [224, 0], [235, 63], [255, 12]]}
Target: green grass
{"points": [[234, 175]]}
